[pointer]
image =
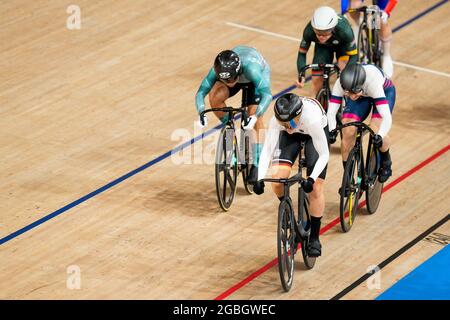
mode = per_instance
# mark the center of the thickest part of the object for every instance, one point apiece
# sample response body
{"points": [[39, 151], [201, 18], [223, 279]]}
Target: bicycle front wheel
{"points": [[304, 220], [374, 187], [226, 167], [350, 191], [285, 244]]}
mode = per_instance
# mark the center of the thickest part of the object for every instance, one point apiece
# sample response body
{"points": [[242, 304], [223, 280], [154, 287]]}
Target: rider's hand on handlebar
{"points": [[308, 185], [377, 141], [332, 136], [251, 120], [300, 83], [202, 122], [258, 187]]}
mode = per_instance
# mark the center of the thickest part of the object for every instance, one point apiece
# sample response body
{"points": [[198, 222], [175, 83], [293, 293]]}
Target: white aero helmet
{"points": [[324, 18]]}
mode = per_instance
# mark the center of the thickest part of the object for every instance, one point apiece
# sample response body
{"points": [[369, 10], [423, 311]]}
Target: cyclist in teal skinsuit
{"points": [[234, 69]]}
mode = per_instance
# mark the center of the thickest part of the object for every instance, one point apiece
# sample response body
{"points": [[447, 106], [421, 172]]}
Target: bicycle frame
{"points": [[288, 182], [327, 68], [362, 129], [371, 21], [232, 156]]}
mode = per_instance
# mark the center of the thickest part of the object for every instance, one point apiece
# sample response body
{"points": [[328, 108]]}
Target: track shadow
{"points": [[299, 264], [198, 201], [335, 148], [240, 191]]}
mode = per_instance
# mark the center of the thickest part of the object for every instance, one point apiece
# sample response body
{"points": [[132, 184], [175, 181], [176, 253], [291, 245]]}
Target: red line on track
{"points": [[330, 225]]}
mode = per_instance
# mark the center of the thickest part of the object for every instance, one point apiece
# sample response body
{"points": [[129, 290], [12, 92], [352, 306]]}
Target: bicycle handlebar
{"points": [[323, 66], [242, 110], [290, 181], [360, 125]]}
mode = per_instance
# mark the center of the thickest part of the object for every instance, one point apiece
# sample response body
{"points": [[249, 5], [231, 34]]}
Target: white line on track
{"points": [[282, 36]]}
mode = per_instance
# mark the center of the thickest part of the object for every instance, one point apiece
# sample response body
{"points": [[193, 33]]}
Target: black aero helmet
{"points": [[353, 77], [227, 65], [287, 107]]}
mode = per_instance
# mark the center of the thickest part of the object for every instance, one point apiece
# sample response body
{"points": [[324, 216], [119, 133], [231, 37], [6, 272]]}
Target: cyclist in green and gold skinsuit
{"points": [[332, 34], [236, 69]]}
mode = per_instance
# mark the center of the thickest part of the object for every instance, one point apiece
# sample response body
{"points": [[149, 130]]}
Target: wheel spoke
{"points": [[230, 180], [224, 187]]}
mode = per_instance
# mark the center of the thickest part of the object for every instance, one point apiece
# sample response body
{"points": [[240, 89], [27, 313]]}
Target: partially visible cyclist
{"points": [[298, 119], [385, 32], [232, 70], [368, 90], [332, 35]]}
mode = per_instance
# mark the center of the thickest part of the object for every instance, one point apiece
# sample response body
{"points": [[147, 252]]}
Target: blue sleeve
{"points": [[204, 89], [344, 6]]}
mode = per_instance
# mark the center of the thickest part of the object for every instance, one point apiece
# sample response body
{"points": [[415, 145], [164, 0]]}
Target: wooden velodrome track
{"points": [[81, 108]]}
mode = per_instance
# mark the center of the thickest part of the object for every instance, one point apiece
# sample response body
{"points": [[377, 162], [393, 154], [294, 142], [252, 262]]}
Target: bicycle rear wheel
{"points": [[374, 187], [285, 244], [376, 49], [364, 52], [351, 181], [226, 167], [304, 219]]}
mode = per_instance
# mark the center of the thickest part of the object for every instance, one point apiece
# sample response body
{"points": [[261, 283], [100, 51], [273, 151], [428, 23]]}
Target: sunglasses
{"points": [[323, 33], [229, 80]]}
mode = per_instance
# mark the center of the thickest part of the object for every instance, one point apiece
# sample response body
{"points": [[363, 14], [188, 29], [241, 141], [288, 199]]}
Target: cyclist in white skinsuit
{"points": [[298, 119]]}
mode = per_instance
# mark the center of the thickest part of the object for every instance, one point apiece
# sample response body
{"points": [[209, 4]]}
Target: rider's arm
{"points": [[270, 144], [204, 89], [261, 81], [320, 143], [376, 91], [334, 104], [304, 47], [383, 109]]}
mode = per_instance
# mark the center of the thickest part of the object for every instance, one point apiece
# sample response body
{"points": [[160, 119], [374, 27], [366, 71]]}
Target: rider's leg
{"points": [[316, 199], [217, 96], [342, 62], [348, 138], [258, 137], [258, 132], [355, 110], [322, 54], [281, 171], [316, 82], [289, 145], [316, 208], [375, 122]]}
